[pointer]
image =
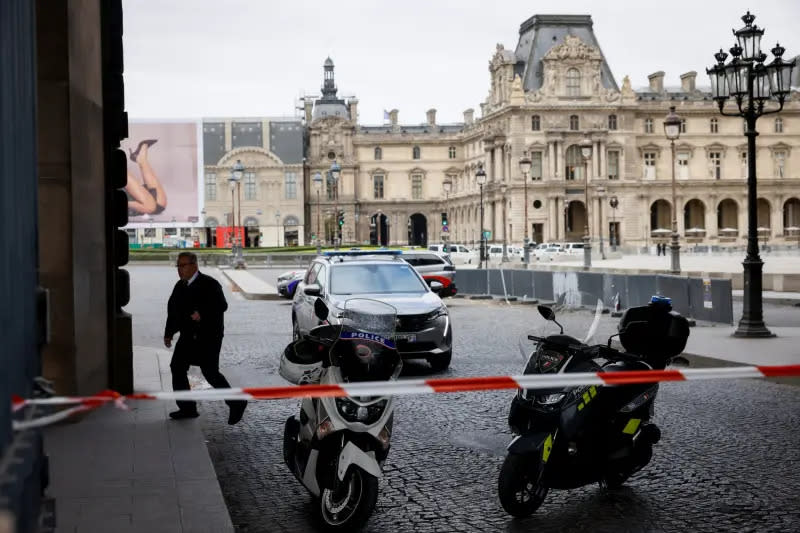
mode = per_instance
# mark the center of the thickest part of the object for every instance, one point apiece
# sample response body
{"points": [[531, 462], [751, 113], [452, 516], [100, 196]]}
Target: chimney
{"points": [[657, 81], [353, 104], [431, 117], [688, 82], [469, 116], [308, 106], [393, 116]]}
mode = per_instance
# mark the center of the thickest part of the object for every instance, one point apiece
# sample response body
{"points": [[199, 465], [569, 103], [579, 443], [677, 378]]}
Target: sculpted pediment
{"points": [[251, 157], [573, 48]]}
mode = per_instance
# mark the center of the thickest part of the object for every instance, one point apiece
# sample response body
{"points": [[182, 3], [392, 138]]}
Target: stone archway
{"points": [[417, 230], [576, 221], [379, 229]]}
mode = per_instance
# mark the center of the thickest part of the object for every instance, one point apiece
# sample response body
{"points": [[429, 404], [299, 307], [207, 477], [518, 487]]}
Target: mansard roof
{"points": [[540, 33], [413, 128]]}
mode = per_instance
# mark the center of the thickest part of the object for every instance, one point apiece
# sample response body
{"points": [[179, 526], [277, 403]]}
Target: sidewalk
{"points": [[250, 286], [135, 471]]}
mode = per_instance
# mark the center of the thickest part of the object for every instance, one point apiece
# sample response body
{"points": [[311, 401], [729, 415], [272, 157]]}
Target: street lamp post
{"points": [[318, 187], [586, 152], [447, 185], [752, 84], [614, 203], [278, 228], [525, 167], [335, 170], [378, 228], [480, 177], [601, 194], [235, 182], [503, 189], [672, 130]]}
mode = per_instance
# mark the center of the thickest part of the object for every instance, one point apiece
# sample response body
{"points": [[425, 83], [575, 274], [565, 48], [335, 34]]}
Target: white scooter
{"points": [[337, 446]]}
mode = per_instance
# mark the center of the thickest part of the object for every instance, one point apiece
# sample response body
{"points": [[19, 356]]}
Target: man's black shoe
{"points": [[180, 414], [237, 410]]}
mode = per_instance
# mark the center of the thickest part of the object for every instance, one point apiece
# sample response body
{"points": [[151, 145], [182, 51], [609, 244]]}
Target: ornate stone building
{"points": [[553, 92]]}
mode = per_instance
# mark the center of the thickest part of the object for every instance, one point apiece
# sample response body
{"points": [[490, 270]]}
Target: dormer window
{"points": [[573, 82]]}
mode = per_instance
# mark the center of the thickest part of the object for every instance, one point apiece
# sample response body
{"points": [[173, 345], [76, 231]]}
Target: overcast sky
{"points": [[248, 58]]}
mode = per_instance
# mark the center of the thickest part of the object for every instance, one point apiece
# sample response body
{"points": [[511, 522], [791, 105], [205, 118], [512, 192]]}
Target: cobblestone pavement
{"points": [[729, 458]]}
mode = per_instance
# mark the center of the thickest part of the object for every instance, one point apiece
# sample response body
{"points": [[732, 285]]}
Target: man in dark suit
{"points": [[196, 309]]}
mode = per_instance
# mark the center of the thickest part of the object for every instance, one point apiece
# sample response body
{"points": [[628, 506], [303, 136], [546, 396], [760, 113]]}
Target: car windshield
{"points": [[375, 279]]}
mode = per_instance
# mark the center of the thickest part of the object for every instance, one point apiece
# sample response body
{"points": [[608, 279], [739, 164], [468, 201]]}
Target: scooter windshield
{"points": [[581, 316], [365, 349]]}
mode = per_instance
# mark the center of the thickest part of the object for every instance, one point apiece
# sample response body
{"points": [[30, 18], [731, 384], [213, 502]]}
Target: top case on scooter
{"points": [[301, 362]]}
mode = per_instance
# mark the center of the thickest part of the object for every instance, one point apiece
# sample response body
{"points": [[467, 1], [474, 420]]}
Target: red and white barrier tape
{"points": [[402, 387]]}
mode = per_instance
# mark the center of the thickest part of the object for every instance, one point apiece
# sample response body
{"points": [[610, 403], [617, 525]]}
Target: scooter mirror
{"points": [[320, 309], [546, 312]]}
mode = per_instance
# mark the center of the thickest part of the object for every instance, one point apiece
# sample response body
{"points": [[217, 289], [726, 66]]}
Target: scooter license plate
{"points": [[407, 337]]}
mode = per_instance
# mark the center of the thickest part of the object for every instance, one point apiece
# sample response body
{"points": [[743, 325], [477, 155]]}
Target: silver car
{"points": [[423, 328]]}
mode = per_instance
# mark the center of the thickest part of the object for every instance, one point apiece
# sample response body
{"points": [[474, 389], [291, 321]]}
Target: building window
{"points": [[451, 152], [377, 186], [574, 123], [743, 163], [778, 125], [612, 122], [648, 125], [683, 125], [416, 187], [378, 153], [170, 232], [415, 152], [536, 166], [613, 165], [714, 125], [150, 232], [574, 166], [536, 123], [211, 186], [573, 82], [331, 187], [649, 165], [780, 164], [249, 185], [683, 165], [290, 182], [715, 164]]}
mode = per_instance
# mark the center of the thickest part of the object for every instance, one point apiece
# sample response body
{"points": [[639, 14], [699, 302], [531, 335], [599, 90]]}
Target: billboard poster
{"points": [[162, 186]]}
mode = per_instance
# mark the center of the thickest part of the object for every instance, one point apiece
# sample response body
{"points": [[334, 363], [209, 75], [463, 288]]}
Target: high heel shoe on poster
{"points": [[148, 142]]}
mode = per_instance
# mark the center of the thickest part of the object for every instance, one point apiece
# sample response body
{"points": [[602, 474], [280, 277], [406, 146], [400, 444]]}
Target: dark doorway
{"points": [[211, 237], [538, 233], [417, 230], [379, 229]]}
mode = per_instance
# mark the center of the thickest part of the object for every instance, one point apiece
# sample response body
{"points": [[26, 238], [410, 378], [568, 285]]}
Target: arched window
{"points": [[291, 220], [536, 123], [574, 163], [574, 123], [573, 82], [612, 122], [378, 153], [251, 222], [211, 222], [415, 152]]}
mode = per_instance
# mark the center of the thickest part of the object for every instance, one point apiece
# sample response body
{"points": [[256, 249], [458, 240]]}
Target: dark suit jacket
{"points": [[205, 296]]}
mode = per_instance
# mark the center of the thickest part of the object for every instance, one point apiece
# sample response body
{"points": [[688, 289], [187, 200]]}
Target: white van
{"points": [[459, 254], [573, 248]]}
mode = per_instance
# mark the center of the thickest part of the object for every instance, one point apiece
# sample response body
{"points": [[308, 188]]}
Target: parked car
{"points": [[434, 266], [424, 330], [462, 255], [287, 282], [547, 251], [573, 248]]}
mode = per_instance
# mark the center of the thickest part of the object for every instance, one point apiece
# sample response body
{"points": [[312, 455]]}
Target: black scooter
{"points": [[570, 437]]}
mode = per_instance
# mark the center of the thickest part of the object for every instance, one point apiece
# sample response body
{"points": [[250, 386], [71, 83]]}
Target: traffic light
{"points": [[341, 218], [444, 220]]}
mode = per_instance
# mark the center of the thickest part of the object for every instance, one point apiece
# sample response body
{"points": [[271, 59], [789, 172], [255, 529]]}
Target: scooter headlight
{"points": [[366, 414]]}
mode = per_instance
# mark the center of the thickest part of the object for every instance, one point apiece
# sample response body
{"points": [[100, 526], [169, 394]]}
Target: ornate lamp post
{"points": [[235, 182], [447, 185], [278, 228], [614, 203], [672, 130], [752, 84], [480, 177], [334, 171], [586, 153], [525, 167], [503, 189], [318, 187]]}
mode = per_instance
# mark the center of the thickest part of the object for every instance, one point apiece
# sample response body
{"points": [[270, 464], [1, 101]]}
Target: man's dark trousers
{"points": [[204, 353]]}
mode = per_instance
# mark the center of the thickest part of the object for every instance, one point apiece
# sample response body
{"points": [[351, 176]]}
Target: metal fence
{"points": [[702, 299]]}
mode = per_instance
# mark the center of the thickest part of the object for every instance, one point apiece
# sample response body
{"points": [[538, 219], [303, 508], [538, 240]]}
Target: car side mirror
{"points": [[546, 312], [313, 289], [320, 309], [436, 286]]}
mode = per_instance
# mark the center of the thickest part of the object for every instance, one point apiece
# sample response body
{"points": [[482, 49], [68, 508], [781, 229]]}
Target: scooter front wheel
{"points": [[349, 506], [520, 488]]}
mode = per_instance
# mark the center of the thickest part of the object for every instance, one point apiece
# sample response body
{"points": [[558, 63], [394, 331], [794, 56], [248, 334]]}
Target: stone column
{"points": [[603, 172], [552, 224], [560, 161], [551, 160], [595, 160]]}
